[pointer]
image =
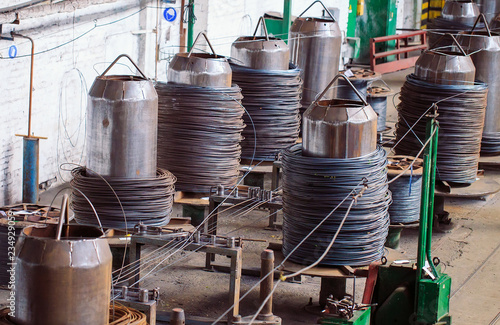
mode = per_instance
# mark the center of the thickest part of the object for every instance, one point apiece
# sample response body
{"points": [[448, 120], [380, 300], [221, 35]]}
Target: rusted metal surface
{"points": [[339, 128], [122, 119], [200, 69], [65, 281], [261, 52], [315, 45], [402, 51]]}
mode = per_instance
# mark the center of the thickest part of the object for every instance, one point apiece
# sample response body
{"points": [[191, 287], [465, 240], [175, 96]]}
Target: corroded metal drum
{"points": [[261, 52], [66, 281], [315, 45], [339, 128], [446, 67], [200, 69], [122, 122], [484, 47]]}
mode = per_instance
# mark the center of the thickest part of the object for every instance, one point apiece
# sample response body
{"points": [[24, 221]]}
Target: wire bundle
{"points": [[312, 187], [272, 100], [146, 200], [199, 131], [121, 315], [406, 194], [461, 110]]}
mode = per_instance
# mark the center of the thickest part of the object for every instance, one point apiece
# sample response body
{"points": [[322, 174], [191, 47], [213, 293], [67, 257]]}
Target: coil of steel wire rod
{"points": [[272, 100], [146, 200], [406, 190], [121, 315], [461, 110], [199, 131], [312, 187]]}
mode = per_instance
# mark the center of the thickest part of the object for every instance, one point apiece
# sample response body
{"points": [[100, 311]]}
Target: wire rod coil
{"points": [[122, 315], [312, 187], [272, 99], [406, 190], [146, 200], [490, 144], [199, 134], [461, 112]]}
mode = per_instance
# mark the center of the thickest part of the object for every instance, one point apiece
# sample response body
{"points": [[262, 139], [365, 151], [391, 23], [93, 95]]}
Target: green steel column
{"points": [[190, 25], [287, 19], [432, 184]]}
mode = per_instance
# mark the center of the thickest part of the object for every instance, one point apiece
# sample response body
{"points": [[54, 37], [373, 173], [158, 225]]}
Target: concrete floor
{"points": [[470, 252]]}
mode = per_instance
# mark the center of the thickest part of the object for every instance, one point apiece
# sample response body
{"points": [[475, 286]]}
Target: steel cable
{"points": [[461, 120], [146, 200], [312, 186], [272, 99], [199, 131]]}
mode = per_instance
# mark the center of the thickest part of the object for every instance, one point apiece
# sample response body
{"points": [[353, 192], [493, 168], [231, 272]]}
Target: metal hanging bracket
{"points": [[340, 75], [326, 9], [486, 25], [196, 40], [116, 60], [454, 41], [261, 20]]}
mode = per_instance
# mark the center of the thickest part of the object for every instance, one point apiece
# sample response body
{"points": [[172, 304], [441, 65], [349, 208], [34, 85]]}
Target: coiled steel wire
{"points": [[272, 99], [199, 134], [490, 144], [312, 187], [461, 112], [406, 194], [122, 315], [345, 91], [146, 200]]}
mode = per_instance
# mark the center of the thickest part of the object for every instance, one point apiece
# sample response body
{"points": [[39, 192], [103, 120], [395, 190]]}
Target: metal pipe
{"points": [[30, 169], [287, 19], [177, 317], [31, 75], [266, 286], [62, 216], [190, 24]]}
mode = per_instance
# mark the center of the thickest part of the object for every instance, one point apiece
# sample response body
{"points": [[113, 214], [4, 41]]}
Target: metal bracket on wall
{"points": [[15, 22]]}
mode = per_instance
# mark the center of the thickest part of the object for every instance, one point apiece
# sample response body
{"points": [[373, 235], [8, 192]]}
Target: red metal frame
{"points": [[399, 63]]}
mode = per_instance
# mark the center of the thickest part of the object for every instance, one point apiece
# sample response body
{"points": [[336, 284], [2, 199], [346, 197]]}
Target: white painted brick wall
{"points": [[58, 88]]}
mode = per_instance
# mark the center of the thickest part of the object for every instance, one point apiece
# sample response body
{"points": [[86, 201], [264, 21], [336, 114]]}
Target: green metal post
{"points": [[427, 204], [430, 213], [190, 25], [287, 19], [351, 18]]}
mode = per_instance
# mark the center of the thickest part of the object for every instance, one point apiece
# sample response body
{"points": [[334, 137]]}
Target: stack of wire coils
{"points": [[444, 80], [200, 122], [361, 78], [121, 186], [457, 16], [377, 98], [405, 183], [271, 89], [484, 49], [338, 157]]}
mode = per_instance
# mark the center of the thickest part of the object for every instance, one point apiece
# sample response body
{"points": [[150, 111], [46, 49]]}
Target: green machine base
{"points": [[361, 317]]}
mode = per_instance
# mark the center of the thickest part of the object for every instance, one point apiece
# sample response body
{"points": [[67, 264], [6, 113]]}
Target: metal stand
{"points": [[230, 247]]}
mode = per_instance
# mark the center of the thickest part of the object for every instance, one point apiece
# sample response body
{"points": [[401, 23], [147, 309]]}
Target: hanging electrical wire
{"points": [[461, 112], [272, 99], [146, 200], [199, 130], [311, 186]]}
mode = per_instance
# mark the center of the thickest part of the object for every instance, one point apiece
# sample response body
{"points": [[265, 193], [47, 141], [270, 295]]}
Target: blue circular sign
{"points": [[12, 51], [170, 14]]}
